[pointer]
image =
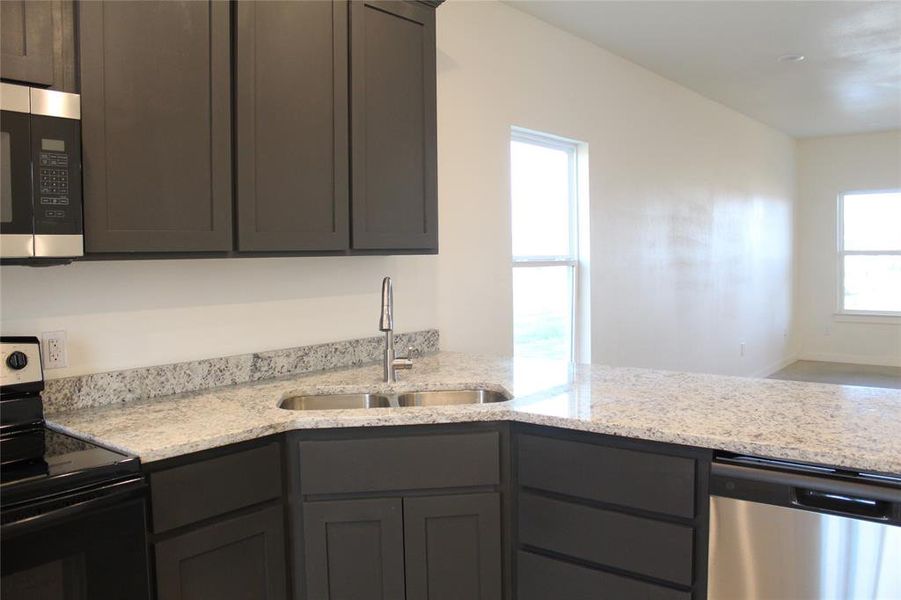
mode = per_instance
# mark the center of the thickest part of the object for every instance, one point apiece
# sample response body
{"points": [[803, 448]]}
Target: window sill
{"points": [[872, 319]]}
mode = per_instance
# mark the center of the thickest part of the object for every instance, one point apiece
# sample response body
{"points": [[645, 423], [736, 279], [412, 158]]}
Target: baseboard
{"points": [[880, 361], [776, 366]]}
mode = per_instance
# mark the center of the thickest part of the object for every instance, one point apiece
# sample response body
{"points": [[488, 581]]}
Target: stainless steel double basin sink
{"points": [[431, 398]]}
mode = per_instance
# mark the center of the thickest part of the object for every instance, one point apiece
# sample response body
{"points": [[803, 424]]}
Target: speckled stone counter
{"points": [[855, 427]]}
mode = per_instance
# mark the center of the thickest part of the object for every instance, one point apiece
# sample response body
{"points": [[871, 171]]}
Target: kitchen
{"points": [[234, 255]]}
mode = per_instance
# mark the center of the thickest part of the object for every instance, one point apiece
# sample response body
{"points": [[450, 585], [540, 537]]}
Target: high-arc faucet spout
{"points": [[386, 322], [391, 361]]}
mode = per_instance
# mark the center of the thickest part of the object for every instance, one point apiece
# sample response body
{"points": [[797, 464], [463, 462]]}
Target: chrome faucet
{"points": [[386, 323]]}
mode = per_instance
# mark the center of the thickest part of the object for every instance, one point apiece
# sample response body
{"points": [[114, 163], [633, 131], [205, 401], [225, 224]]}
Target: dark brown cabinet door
{"points": [[292, 126], [37, 43], [235, 559], [453, 547], [393, 147], [354, 549], [156, 139], [27, 42]]}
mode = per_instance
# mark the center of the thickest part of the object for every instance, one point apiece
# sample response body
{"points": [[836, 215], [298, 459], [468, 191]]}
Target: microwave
{"points": [[40, 183]]}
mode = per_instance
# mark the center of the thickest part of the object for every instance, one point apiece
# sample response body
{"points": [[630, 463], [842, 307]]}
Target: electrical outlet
{"points": [[53, 346], [742, 349]]}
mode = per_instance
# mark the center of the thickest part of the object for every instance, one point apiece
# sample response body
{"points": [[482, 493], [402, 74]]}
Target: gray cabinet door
{"points": [[156, 133], [354, 549], [292, 126], [26, 47], [393, 147], [235, 559], [453, 547]]}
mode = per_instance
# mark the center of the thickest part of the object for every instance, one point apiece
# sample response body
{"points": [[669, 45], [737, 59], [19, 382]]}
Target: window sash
{"points": [[571, 150], [573, 265]]}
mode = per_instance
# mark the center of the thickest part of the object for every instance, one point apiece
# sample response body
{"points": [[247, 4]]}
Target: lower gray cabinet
{"points": [[240, 558], [452, 547], [354, 549], [418, 548]]}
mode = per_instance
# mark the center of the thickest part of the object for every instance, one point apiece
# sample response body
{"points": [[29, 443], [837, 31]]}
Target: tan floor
{"points": [[842, 373]]}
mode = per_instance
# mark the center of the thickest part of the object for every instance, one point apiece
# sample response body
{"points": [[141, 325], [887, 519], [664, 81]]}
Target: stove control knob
{"points": [[17, 360]]}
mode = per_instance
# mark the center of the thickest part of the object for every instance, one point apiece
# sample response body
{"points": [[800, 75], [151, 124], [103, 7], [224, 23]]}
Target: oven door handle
{"points": [[95, 499]]}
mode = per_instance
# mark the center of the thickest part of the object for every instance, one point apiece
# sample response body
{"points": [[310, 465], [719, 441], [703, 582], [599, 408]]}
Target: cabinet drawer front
{"points": [[635, 544], [541, 578], [399, 463], [640, 480], [216, 486]]}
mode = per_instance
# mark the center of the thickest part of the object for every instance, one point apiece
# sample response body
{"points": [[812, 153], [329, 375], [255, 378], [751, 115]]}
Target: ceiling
{"points": [[850, 81]]}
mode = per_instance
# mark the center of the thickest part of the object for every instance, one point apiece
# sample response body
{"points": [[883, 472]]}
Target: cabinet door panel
{"points": [[354, 549], [156, 126], [393, 126], [235, 559], [453, 547], [292, 140], [27, 41]]}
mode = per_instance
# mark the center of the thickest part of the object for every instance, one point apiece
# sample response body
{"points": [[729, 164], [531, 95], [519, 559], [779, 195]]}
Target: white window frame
{"points": [[569, 260], [841, 253]]}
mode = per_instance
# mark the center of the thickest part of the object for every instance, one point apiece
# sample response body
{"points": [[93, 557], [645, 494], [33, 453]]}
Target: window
{"points": [[546, 271], [869, 253]]}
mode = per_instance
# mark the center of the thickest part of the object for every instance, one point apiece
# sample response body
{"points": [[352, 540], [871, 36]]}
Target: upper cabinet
{"points": [[333, 108], [156, 126], [393, 131], [291, 126], [37, 43]]}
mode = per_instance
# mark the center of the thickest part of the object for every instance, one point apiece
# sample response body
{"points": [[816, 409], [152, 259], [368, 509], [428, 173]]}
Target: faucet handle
{"points": [[413, 352]]}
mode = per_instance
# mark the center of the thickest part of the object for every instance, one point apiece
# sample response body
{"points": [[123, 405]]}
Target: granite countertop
{"points": [[854, 427]]}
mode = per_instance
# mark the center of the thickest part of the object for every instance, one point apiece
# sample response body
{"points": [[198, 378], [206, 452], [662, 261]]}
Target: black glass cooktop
{"points": [[66, 464]]}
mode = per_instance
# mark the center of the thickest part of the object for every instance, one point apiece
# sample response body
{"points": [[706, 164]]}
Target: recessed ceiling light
{"points": [[793, 58]]}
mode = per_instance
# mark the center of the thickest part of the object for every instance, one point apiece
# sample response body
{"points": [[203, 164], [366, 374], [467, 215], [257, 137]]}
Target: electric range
{"points": [[72, 513]]}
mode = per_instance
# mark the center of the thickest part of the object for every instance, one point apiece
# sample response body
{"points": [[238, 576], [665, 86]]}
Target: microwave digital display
{"points": [[48, 145]]}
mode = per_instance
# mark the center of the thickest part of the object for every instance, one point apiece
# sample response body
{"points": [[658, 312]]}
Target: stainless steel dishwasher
{"points": [[788, 531]]}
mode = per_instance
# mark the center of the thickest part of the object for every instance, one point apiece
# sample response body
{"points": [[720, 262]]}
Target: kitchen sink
{"points": [[335, 402], [446, 398], [349, 401]]}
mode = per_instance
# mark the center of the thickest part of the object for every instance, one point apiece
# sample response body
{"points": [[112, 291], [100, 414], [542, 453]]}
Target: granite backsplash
{"points": [[101, 389]]}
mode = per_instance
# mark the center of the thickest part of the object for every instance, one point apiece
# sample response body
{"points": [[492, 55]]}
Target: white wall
{"points": [[691, 202], [136, 313], [691, 230], [828, 166]]}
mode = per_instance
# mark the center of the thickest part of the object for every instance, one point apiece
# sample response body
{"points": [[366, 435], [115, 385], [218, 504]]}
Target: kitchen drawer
{"points": [[541, 578], [635, 544], [207, 488], [399, 463], [641, 480]]}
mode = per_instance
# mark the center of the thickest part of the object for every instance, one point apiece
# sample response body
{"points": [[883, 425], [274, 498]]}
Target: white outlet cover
{"points": [[53, 350]]}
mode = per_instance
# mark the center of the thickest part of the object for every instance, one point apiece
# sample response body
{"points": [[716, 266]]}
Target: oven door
{"points": [[16, 213], [94, 548]]}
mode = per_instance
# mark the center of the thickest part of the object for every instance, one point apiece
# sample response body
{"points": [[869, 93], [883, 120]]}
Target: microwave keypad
{"points": [[54, 184]]}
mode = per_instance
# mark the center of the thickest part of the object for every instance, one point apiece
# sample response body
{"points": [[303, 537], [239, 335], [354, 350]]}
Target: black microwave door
{"points": [[56, 156], [16, 213]]}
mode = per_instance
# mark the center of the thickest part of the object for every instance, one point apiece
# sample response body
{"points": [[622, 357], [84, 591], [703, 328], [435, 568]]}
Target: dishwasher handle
{"points": [[839, 503], [791, 489]]}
